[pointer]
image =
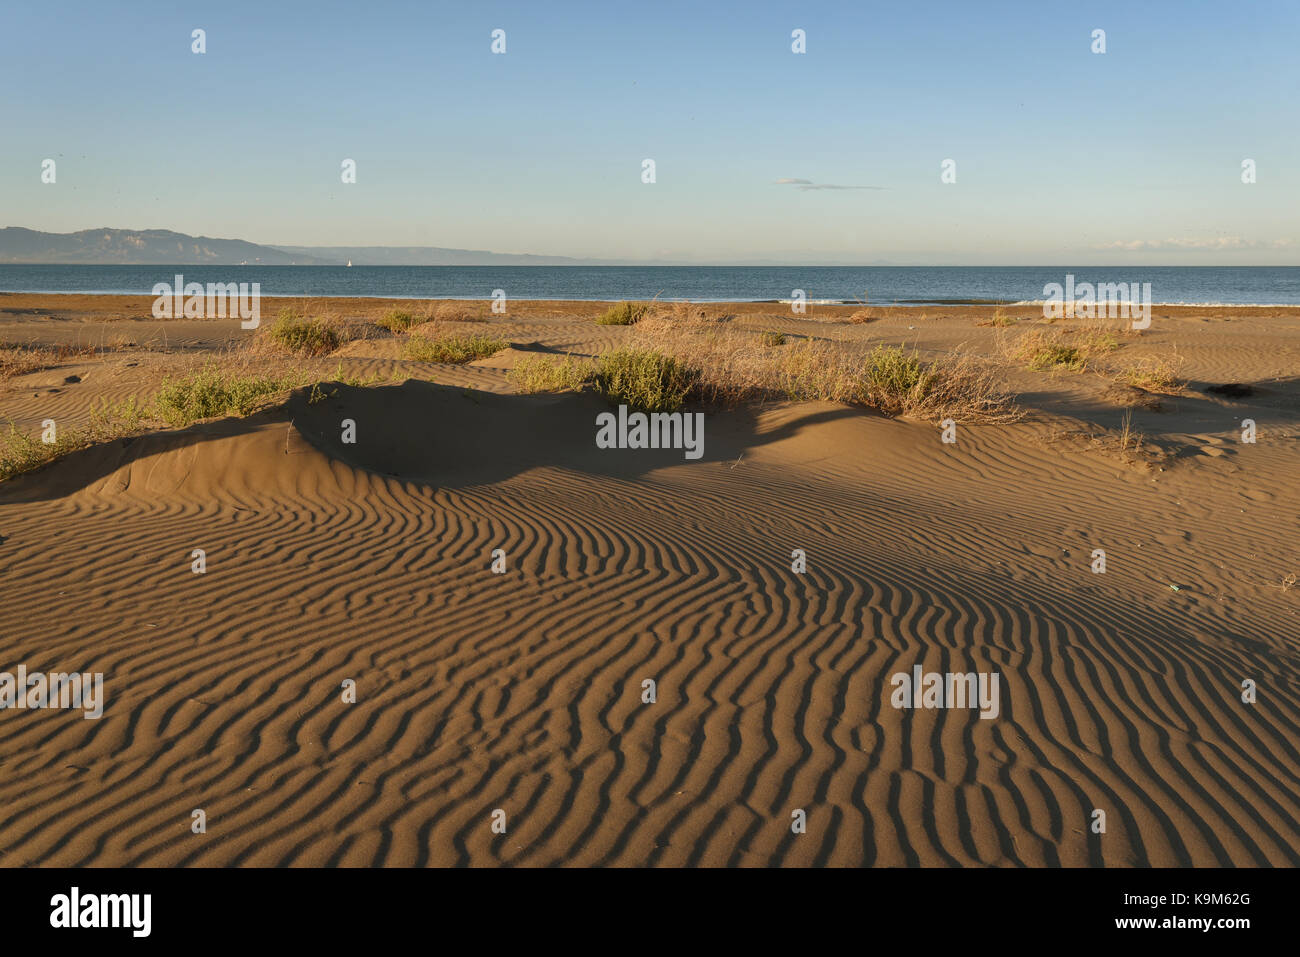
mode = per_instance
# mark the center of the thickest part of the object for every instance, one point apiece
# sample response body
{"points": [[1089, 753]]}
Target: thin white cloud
{"points": [[806, 184], [1222, 242]]}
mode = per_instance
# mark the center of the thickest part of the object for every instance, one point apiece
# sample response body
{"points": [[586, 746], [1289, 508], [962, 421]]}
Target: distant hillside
{"points": [[155, 247], [140, 247], [164, 247], [430, 256]]}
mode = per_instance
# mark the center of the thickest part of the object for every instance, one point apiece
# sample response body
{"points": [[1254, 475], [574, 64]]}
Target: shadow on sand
{"points": [[438, 435]]}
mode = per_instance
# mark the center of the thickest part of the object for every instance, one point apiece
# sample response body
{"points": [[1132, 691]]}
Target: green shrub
{"points": [[545, 374], [645, 381], [1067, 357], [307, 336], [20, 452], [212, 392], [895, 372], [624, 314], [454, 349], [396, 321]]}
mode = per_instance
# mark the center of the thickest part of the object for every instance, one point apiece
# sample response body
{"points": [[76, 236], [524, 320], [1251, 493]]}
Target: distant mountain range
{"points": [[162, 247], [139, 247], [431, 256]]}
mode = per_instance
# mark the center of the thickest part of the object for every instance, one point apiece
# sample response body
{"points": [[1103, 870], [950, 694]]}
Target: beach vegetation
{"points": [[214, 392], [309, 337], [398, 321], [623, 314], [644, 380], [452, 349], [1153, 374], [535, 373]]}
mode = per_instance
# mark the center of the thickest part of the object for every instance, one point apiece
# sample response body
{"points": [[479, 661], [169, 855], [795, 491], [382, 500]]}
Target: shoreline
{"points": [[119, 306], [891, 304]]}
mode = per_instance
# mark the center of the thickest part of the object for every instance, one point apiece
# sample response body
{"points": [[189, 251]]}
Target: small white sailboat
{"points": [[349, 262]]}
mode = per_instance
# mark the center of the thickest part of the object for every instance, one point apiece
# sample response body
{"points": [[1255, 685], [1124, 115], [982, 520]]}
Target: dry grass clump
{"points": [[772, 339], [694, 313], [642, 379], [735, 367], [682, 311], [1055, 355], [624, 314], [810, 370], [451, 348], [861, 316], [1094, 342], [1129, 438], [999, 318], [16, 360], [894, 378], [1152, 373], [460, 312], [307, 337], [397, 321], [536, 373], [645, 380], [216, 391], [25, 452], [1071, 350], [953, 385], [21, 452]]}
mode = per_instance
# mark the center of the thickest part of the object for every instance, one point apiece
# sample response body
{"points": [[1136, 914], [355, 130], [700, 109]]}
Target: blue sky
{"points": [[1063, 156]]}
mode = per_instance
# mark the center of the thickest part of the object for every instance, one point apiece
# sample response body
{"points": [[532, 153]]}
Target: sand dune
{"points": [[522, 691]]}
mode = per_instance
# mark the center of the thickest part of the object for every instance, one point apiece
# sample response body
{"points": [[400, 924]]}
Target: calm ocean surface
{"points": [[904, 285]]}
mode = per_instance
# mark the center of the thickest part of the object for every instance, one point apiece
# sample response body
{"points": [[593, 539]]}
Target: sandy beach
{"points": [[523, 689]]}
